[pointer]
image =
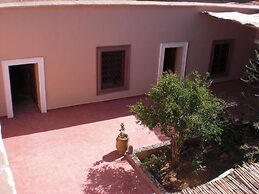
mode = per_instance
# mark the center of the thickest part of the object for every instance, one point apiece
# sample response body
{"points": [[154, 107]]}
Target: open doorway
{"points": [[24, 84], [23, 87], [173, 58], [169, 59]]}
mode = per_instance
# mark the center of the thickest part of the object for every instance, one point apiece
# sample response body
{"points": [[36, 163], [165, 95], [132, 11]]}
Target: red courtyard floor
{"points": [[72, 150]]}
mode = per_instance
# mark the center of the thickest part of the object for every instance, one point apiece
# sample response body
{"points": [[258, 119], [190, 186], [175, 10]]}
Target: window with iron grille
{"points": [[112, 68], [220, 58]]}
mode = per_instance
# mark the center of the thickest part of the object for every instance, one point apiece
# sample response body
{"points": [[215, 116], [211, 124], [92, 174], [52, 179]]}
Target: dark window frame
{"points": [[230, 42], [99, 51]]}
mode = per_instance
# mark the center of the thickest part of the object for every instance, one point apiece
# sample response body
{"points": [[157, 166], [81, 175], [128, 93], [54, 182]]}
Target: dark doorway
{"points": [[169, 60], [23, 87]]}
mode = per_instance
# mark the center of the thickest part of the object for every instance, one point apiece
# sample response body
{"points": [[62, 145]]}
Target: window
{"points": [[220, 58], [112, 68]]}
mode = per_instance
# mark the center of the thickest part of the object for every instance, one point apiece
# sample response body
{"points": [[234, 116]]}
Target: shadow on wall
{"points": [[34, 122], [109, 179]]}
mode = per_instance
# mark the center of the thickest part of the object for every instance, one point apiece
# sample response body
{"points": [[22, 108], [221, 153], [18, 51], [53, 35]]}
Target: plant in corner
{"points": [[251, 78], [182, 109], [122, 140]]}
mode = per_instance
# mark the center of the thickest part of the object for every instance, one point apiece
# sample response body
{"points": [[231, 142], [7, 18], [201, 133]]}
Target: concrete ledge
{"points": [[7, 185], [135, 161], [139, 154]]}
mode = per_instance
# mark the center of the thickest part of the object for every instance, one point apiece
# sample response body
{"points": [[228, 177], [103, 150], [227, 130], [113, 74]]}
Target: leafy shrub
{"points": [[251, 77], [251, 153], [233, 134], [154, 163], [240, 141], [182, 109]]}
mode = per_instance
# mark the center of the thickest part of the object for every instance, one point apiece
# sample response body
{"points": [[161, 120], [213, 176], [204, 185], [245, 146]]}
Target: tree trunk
{"points": [[175, 146]]}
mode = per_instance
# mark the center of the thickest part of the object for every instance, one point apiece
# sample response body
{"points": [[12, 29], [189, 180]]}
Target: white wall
{"points": [[7, 185]]}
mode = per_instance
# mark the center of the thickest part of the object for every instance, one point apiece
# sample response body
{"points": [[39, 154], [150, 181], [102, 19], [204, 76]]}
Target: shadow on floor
{"points": [[110, 157], [30, 122], [109, 179]]}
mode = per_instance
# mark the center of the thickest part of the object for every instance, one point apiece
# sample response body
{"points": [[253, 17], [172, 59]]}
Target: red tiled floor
{"points": [[71, 150]]}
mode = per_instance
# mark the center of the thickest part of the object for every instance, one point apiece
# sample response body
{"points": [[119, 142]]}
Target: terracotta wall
{"points": [[67, 37]]}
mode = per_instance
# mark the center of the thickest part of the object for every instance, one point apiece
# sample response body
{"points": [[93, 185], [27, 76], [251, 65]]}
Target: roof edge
{"points": [[241, 18], [123, 3]]}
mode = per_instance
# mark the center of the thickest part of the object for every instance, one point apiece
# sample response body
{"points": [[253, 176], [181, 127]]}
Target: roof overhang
{"points": [[245, 19]]}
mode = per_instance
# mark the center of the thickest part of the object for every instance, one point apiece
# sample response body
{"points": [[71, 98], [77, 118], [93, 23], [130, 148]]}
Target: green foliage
{"points": [[154, 163], [181, 109], [234, 134], [252, 70], [251, 153], [240, 142], [197, 163], [251, 77], [237, 132], [122, 133]]}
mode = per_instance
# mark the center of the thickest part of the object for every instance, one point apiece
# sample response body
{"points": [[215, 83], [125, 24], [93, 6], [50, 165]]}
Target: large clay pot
{"points": [[122, 144]]}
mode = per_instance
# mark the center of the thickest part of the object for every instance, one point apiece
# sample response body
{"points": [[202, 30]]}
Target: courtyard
{"points": [[72, 150]]}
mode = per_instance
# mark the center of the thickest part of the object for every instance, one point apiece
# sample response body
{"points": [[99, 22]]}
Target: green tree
{"points": [[251, 77], [181, 109], [252, 69]]}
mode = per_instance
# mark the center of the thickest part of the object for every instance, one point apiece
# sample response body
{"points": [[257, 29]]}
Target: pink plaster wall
{"points": [[67, 37]]}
